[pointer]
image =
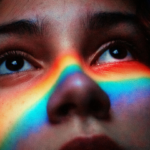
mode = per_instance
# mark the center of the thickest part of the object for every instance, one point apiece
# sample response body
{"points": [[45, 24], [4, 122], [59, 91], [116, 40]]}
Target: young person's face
{"points": [[73, 75]]}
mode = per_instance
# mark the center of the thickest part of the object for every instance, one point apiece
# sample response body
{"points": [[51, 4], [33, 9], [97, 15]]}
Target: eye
{"points": [[114, 52], [13, 64]]}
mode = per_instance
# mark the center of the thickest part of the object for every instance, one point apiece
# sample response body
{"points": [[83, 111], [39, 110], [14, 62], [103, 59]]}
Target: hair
{"points": [[143, 13], [143, 16]]}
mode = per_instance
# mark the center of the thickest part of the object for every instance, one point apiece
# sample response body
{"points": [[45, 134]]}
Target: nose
{"points": [[78, 95]]}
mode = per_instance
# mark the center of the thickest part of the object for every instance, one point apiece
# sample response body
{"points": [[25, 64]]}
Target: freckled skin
{"points": [[67, 97]]}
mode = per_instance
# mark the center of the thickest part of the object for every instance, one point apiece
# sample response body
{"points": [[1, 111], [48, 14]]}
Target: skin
{"points": [[65, 32]]}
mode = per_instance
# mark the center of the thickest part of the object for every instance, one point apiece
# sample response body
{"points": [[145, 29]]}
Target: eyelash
{"points": [[111, 44], [12, 53], [24, 55], [9, 54]]}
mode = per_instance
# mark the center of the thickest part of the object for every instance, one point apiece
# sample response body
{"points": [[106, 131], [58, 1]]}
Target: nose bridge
{"points": [[71, 64], [67, 65]]}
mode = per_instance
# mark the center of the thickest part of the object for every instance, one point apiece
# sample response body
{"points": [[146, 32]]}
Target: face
{"points": [[73, 74]]}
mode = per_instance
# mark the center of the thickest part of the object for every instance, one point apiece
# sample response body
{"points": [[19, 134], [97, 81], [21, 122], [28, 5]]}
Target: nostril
{"points": [[99, 108], [94, 106], [65, 109]]}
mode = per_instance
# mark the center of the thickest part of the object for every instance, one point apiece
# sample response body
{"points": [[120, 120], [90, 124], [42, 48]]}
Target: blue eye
{"points": [[14, 64]]}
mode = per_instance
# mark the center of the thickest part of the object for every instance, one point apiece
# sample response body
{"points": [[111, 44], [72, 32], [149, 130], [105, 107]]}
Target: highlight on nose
{"points": [[77, 95]]}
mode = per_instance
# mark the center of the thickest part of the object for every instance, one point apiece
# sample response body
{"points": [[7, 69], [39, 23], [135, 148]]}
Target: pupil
{"points": [[14, 63], [118, 53]]}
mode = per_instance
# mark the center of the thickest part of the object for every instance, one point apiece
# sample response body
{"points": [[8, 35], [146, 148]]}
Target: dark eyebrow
{"points": [[96, 21], [21, 27], [104, 19]]}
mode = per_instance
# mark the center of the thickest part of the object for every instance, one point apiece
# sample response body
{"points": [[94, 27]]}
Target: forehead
{"points": [[18, 9]]}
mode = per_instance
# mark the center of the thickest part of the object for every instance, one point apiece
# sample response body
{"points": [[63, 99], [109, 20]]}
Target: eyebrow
{"points": [[94, 22], [104, 19], [21, 27]]}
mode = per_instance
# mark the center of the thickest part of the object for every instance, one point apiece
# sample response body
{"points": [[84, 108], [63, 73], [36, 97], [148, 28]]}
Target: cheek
{"points": [[130, 99], [127, 92], [24, 111], [128, 88], [26, 116], [127, 84], [124, 82], [130, 103], [130, 111]]}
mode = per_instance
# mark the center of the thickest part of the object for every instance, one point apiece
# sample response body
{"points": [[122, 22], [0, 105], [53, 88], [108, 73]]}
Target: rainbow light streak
{"points": [[126, 80]]}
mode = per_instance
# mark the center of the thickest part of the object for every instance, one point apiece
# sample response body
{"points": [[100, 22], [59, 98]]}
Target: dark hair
{"points": [[143, 15]]}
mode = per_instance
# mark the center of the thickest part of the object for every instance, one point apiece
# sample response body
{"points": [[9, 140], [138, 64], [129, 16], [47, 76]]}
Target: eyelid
{"points": [[23, 54], [109, 44]]}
